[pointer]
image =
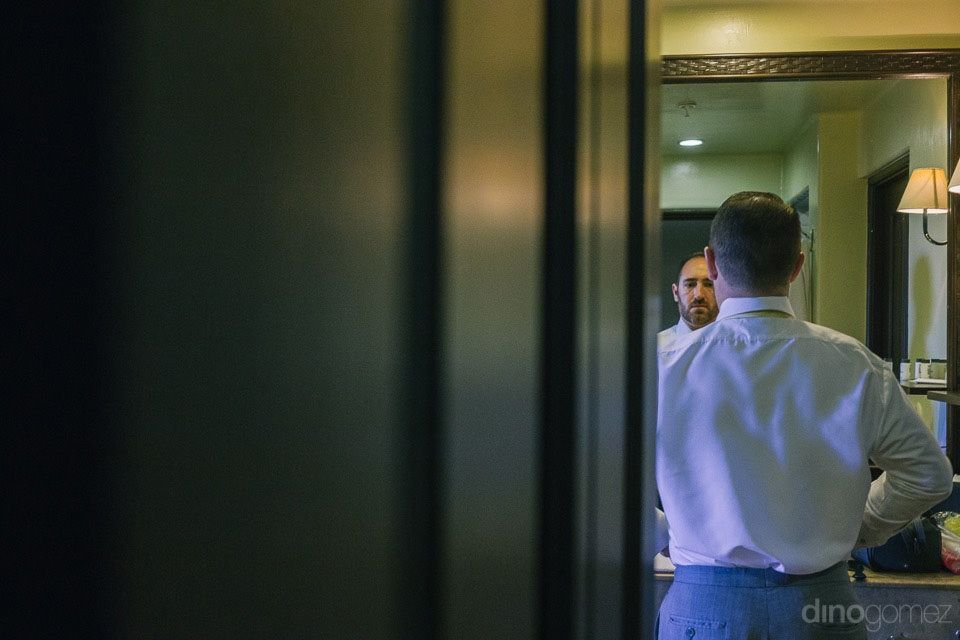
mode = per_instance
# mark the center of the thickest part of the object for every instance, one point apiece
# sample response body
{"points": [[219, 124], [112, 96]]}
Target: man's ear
{"points": [[676, 292], [711, 263], [797, 267]]}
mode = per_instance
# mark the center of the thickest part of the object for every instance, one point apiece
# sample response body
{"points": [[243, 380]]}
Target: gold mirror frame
{"points": [[862, 65]]}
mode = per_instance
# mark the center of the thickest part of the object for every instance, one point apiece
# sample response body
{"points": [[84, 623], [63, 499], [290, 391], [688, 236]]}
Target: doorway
{"points": [[684, 231], [887, 262]]}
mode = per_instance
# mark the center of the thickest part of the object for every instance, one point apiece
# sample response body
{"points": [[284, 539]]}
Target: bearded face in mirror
{"points": [[693, 293]]}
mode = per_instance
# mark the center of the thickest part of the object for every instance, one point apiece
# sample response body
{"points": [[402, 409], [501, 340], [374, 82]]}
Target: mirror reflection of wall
{"points": [[818, 140]]}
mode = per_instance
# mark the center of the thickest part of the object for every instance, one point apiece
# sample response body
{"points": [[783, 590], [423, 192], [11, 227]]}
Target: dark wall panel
{"points": [[492, 258], [259, 294]]}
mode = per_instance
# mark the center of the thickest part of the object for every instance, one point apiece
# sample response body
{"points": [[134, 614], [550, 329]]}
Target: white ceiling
{"points": [[756, 117]]}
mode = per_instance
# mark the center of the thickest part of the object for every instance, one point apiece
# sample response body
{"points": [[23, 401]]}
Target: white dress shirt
{"points": [[669, 334], [765, 426]]}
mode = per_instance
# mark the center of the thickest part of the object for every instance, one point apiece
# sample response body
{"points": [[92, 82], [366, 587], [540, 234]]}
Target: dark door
{"points": [[887, 256], [682, 233]]}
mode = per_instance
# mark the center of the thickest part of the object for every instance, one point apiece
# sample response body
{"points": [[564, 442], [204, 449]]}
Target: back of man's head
{"points": [[755, 237]]}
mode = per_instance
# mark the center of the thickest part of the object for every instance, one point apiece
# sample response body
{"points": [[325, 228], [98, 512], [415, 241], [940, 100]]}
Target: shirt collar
{"points": [[736, 306], [682, 328]]}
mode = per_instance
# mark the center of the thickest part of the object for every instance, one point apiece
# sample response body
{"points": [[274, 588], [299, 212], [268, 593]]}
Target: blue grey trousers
{"points": [[708, 603]]}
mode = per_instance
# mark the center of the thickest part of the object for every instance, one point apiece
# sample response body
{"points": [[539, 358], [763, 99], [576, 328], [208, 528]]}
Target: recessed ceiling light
{"points": [[691, 142]]}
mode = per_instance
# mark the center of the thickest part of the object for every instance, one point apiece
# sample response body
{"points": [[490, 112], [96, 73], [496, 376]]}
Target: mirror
{"points": [[775, 136], [823, 130]]}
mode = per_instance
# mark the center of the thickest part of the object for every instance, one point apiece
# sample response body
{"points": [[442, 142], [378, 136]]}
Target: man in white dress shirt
{"points": [[693, 293], [765, 427]]}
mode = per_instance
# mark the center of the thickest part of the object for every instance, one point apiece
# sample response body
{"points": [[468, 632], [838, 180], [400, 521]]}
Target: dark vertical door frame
{"points": [[882, 245], [953, 273], [419, 443], [591, 314], [643, 238], [61, 441], [558, 435]]}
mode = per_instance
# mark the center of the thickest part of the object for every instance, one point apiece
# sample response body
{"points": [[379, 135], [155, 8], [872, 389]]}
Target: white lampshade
{"points": [[926, 192], [954, 185]]}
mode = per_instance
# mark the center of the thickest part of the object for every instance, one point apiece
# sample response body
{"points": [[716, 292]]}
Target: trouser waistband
{"points": [[748, 577]]}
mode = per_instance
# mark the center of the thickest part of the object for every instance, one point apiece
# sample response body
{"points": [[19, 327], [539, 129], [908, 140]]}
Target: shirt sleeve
{"points": [[917, 475]]}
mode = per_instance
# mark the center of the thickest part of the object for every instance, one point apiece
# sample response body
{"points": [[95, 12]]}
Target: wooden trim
{"points": [[950, 397], [813, 65]]}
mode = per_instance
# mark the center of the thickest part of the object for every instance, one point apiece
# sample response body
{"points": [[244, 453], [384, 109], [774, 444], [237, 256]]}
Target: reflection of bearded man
{"points": [[693, 293]]}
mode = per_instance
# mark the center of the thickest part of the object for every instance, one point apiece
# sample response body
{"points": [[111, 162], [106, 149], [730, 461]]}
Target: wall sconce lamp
{"points": [[954, 185], [926, 192]]}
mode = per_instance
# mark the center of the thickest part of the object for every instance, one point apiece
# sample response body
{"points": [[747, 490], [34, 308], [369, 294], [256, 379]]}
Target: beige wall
{"points": [[704, 181], [695, 27], [912, 117], [841, 276], [800, 169]]}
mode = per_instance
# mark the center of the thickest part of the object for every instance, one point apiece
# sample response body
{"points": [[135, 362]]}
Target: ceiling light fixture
{"points": [[691, 142]]}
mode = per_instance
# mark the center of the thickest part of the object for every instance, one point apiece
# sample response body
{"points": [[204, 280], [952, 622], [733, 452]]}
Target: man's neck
{"points": [[752, 293]]}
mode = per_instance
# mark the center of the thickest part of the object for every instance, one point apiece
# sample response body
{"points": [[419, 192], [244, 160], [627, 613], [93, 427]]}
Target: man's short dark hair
{"points": [[756, 239], [687, 258]]}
